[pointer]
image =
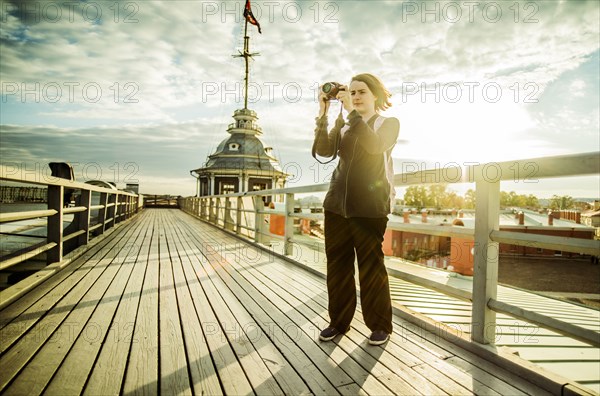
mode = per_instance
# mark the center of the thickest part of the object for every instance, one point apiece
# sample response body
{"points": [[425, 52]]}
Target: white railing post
{"points": [[228, 219], [485, 265], [258, 218], [217, 209], [238, 216], [288, 244], [211, 213]]}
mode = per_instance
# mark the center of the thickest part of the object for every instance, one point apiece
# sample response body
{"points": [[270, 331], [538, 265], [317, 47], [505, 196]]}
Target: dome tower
{"points": [[241, 162]]}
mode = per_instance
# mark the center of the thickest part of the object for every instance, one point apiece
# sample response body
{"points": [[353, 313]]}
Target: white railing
{"points": [[244, 214]]}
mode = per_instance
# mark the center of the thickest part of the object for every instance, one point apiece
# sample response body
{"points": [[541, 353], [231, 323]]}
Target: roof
{"points": [[591, 213], [507, 218], [243, 149]]}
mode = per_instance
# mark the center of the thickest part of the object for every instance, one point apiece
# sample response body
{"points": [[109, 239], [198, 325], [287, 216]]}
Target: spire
{"points": [[248, 17]]}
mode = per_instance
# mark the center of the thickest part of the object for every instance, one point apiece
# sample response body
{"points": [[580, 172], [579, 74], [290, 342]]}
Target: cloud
{"points": [[577, 88], [154, 82]]}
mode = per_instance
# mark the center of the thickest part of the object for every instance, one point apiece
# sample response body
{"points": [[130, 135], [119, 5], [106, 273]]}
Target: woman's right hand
{"points": [[323, 103]]}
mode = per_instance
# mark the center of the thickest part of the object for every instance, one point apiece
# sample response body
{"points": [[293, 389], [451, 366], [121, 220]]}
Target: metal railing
{"points": [[113, 206], [244, 214]]}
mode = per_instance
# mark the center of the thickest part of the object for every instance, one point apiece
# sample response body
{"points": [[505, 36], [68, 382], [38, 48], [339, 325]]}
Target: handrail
{"points": [[19, 216], [114, 206], [486, 233], [565, 244], [9, 174], [491, 172], [74, 209], [26, 255]]}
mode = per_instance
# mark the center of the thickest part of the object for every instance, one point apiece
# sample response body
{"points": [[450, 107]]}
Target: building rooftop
{"points": [[507, 218]]}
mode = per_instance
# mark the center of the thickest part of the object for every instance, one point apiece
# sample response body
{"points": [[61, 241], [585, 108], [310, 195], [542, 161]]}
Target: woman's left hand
{"points": [[344, 97]]}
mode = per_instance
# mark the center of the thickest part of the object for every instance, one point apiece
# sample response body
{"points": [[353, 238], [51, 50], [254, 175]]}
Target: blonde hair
{"points": [[377, 88]]}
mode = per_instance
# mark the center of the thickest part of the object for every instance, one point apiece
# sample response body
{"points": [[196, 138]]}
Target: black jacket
{"points": [[359, 185]]}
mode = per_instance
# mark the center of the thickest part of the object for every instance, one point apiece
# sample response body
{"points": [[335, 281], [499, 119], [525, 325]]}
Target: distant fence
{"points": [[161, 201], [245, 215], [9, 194]]}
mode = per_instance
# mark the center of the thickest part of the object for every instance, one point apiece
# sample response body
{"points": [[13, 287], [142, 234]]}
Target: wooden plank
{"points": [[240, 329], [47, 326], [39, 370], [173, 361], [483, 377], [232, 376], [40, 330], [391, 365], [100, 329], [471, 381], [141, 375], [394, 380], [301, 352], [291, 271], [108, 372], [448, 385], [15, 308], [20, 316], [250, 296], [277, 290], [295, 323], [202, 370], [490, 368]]}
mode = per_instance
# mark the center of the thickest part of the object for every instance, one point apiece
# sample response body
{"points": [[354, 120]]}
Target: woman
{"points": [[357, 204]]}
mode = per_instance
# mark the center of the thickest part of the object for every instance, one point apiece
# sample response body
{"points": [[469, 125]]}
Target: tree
{"points": [[561, 202], [531, 201], [508, 199], [470, 199], [437, 195], [416, 196], [452, 200]]}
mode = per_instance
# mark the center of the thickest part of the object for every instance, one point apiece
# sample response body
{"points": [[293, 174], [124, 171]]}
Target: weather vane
{"points": [[246, 54]]}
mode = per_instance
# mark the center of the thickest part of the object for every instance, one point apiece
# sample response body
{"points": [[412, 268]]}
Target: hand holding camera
{"points": [[331, 91]]}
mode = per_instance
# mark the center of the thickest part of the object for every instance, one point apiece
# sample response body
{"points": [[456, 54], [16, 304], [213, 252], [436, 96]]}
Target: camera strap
{"points": [[339, 124]]}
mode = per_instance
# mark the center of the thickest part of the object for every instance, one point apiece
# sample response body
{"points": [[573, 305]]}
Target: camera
{"points": [[331, 89]]}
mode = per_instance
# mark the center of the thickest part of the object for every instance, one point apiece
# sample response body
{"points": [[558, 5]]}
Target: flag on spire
{"points": [[250, 17]]}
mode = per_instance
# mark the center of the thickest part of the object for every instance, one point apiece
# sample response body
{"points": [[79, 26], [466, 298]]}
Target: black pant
{"points": [[345, 240]]}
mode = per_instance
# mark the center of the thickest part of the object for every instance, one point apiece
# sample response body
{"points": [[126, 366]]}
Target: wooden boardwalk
{"points": [[168, 304]]}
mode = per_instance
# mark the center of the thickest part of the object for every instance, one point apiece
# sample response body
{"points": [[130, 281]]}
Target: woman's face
{"points": [[362, 97]]}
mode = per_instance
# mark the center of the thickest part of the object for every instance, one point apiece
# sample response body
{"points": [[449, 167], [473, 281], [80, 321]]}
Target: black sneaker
{"points": [[329, 334], [378, 337]]}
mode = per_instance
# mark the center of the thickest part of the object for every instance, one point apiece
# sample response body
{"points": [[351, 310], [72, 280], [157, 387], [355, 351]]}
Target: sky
{"points": [[142, 91]]}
